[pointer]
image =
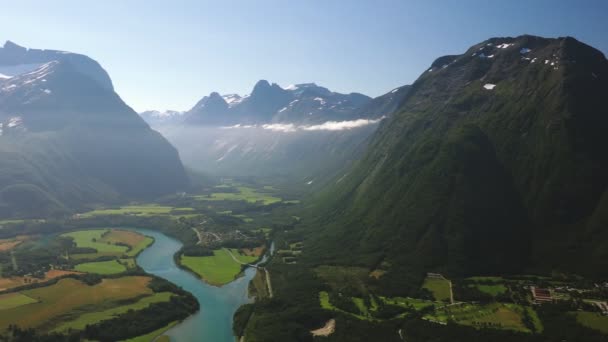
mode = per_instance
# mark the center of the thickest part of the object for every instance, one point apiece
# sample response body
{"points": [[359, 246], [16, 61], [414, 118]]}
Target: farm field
{"points": [[593, 320], [244, 194], [94, 239], [101, 267], [67, 296], [493, 290], [136, 210], [13, 300], [109, 242], [440, 288], [9, 283], [95, 317], [495, 315], [8, 244], [218, 269]]}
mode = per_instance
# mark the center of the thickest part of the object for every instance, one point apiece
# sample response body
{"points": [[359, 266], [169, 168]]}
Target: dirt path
{"points": [[239, 261], [200, 240], [268, 283], [327, 330], [451, 293]]}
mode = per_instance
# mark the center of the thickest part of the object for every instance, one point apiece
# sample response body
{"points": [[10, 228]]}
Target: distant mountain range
{"points": [[67, 139], [303, 132], [305, 103]]}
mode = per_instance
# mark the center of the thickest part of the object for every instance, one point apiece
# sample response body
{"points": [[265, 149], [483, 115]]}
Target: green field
{"points": [[247, 194], [136, 210], [325, 304], [149, 337], [593, 320], [440, 288], [218, 269], [95, 317], [488, 279], [492, 290], [93, 239], [13, 300], [417, 304], [140, 246], [495, 315], [101, 267]]}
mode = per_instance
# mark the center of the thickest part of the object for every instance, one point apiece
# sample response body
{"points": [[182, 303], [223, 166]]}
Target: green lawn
{"points": [[593, 320], [218, 269], [13, 300], [95, 317], [245, 194], [440, 288], [151, 336], [92, 239], [101, 267]]}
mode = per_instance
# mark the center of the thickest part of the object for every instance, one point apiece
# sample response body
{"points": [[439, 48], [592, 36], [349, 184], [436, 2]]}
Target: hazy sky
{"points": [[168, 54]]}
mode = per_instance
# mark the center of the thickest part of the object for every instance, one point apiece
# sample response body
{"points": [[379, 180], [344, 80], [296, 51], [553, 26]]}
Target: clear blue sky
{"points": [[168, 54]]}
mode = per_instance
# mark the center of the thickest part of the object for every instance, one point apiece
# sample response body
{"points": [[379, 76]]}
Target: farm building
{"points": [[541, 295]]}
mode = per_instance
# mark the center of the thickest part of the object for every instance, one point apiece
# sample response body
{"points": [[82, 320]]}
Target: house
{"points": [[541, 295]]}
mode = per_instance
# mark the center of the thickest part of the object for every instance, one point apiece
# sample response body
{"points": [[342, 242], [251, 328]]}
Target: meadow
{"points": [[13, 300], [243, 193], [440, 288], [137, 210], [101, 267], [94, 239], [593, 320], [496, 315], [109, 242], [218, 269]]}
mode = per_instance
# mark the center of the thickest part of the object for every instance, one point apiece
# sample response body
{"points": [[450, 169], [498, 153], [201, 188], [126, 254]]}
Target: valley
{"points": [[468, 205]]}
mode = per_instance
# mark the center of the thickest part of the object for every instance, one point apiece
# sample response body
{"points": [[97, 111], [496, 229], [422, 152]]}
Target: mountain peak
{"points": [[261, 84], [9, 45]]}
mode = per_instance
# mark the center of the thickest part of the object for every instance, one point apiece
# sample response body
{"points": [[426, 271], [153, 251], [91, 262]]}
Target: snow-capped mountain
{"points": [[67, 138], [155, 117], [270, 103]]}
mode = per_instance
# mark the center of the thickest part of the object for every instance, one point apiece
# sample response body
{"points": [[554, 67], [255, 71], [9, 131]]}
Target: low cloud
{"points": [[326, 126]]}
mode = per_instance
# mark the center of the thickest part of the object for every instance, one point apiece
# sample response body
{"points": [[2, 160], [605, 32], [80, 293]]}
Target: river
{"points": [[218, 304]]}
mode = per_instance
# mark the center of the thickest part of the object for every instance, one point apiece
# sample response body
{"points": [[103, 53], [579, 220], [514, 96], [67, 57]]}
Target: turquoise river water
{"points": [[213, 322]]}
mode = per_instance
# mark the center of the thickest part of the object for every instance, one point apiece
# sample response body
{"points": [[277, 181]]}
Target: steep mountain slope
{"points": [[493, 163], [67, 139]]}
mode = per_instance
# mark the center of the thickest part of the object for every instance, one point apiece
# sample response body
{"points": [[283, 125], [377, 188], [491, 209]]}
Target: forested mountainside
{"points": [[494, 162], [67, 138]]}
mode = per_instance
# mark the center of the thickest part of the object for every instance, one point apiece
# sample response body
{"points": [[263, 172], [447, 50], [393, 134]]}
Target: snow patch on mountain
{"points": [[8, 71]]}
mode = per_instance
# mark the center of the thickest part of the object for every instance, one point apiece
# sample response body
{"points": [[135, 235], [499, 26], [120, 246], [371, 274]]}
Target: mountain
{"points": [[310, 138], [268, 103], [156, 117], [67, 139], [493, 163]]}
